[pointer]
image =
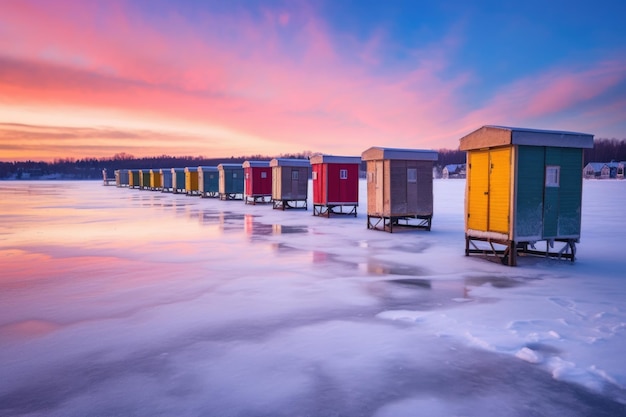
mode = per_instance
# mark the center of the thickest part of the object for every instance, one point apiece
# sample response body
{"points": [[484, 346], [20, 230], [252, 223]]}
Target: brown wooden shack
{"points": [[399, 187], [290, 183]]}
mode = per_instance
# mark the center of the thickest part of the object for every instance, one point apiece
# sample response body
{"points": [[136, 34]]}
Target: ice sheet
{"points": [[127, 302]]}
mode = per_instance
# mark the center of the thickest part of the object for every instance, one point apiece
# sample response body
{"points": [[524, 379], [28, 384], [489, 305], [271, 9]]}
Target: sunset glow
{"points": [[95, 78]]}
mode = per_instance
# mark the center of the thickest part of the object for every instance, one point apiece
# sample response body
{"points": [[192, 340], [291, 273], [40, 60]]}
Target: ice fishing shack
{"points": [[230, 181], [523, 186], [257, 182], [166, 177], [156, 181], [178, 180], [144, 179], [335, 184], [208, 181], [191, 181], [133, 178], [399, 188], [290, 183], [121, 178]]}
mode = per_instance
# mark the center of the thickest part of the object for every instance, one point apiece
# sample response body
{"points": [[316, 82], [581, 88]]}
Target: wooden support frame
{"points": [[507, 251], [209, 194], [231, 196], [325, 210], [387, 223], [289, 204], [257, 199]]}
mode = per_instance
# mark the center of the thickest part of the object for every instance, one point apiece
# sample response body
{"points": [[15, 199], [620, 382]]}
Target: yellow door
{"points": [[499, 189], [478, 190]]}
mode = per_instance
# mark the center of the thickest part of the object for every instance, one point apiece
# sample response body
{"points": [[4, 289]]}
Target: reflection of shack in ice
{"points": [[335, 184], [258, 182], [290, 183], [178, 180], [399, 188], [523, 186], [191, 181], [166, 177], [230, 181], [208, 181]]}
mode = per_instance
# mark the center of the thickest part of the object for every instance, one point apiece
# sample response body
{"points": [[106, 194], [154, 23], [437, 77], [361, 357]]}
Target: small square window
{"points": [[411, 174], [247, 175], [294, 175], [314, 175], [263, 174], [234, 175], [553, 174], [343, 174]]}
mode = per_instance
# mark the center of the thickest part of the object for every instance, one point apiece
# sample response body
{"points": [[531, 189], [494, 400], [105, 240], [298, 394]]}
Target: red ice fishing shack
{"points": [[257, 182], [335, 184]]}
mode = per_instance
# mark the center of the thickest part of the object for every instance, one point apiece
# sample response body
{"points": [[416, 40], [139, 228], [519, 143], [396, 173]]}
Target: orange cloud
{"points": [[237, 83]]}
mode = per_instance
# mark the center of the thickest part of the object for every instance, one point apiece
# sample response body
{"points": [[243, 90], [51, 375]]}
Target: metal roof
{"points": [[492, 135], [260, 164], [379, 153], [334, 159], [289, 162]]}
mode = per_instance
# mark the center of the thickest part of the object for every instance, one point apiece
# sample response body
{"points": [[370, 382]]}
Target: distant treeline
{"points": [[604, 150]]}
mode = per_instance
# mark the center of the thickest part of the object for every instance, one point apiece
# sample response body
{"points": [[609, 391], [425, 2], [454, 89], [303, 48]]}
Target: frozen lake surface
{"points": [[118, 302]]}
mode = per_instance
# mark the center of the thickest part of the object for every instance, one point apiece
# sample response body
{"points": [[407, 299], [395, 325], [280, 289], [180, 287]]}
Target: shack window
{"points": [[234, 175], [314, 175], [343, 174], [263, 174], [552, 175], [247, 175], [294, 175], [411, 174]]}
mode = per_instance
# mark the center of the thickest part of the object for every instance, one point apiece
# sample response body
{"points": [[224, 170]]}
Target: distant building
{"points": [[597, 170], [453, 171]]}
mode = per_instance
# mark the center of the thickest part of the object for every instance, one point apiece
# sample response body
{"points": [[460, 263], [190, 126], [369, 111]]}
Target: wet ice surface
{"points": [[139, 303]]}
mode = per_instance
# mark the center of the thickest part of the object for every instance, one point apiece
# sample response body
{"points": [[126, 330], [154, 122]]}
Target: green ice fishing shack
{"points": [[523, 186]]}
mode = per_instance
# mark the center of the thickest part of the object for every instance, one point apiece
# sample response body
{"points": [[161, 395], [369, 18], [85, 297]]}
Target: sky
{"points": [[216, 79]]}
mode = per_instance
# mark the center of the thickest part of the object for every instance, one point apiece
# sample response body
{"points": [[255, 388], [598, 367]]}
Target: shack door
{"points": [[478, 190], [489, 190]]}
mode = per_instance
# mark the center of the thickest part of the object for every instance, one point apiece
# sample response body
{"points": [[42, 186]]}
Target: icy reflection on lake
{"points": [[139, 303]]}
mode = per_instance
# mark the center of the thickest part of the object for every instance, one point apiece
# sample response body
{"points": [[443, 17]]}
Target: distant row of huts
{"points": [[604, 170], [523, 186]]}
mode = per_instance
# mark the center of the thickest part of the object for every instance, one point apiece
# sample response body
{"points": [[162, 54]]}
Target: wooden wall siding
{"points": [[389, 193], [529, 192], [166, 176]]}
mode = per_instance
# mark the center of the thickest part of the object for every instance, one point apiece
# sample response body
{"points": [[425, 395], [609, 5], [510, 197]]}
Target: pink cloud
{"points": [[284, 76]]}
